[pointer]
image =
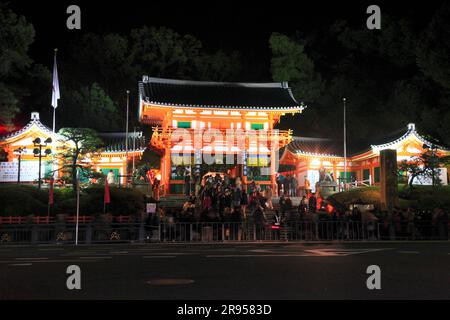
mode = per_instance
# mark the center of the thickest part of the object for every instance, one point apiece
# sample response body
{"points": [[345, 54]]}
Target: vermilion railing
{"points": [[163, 137], [50, 220], [13, 220]]}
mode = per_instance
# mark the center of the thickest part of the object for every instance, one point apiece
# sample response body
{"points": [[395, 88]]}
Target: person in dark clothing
{"points": [[260, 221], [244, 203], [279, 184], [237, 196], [286, 186], [312, 203], [287, 206], [236, 226], [262, 200], [282, 201], [253, 202], [303, 207], [187, 184], [356, 214]]}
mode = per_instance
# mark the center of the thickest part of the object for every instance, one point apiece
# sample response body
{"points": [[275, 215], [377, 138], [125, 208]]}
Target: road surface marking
{"points": [[20, 264], [342, 252], [31, 258], [119, 252], [169, 282], [46, 261], [174, 253], [156, 257], [307, 253], [63, 261], [258, 255], [88, 254]]}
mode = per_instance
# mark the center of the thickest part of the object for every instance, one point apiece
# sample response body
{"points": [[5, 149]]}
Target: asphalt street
{"points": [[258, 271]]}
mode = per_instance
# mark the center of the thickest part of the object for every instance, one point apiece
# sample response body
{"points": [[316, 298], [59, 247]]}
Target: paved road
{"points": [[228, 271]]}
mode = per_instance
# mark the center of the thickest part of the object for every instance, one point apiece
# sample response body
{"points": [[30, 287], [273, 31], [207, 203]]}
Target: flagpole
{"points": [[55, 97], [54, 108], [345, 146]]}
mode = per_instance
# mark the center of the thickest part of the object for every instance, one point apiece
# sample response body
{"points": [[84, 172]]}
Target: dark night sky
{"points": [[228, 25]]}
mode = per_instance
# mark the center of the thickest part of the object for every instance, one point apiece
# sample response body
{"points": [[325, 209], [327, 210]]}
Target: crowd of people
{"points": [[289, 186], [221, 199]]}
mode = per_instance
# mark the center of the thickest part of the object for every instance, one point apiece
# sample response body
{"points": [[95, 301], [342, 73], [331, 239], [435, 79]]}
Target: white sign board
{"points": [[29, 171], [151, 207]]}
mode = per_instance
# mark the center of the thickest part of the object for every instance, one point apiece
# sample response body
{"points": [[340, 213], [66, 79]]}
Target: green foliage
{"points": [[16, 36], [77, 144], [218, 66], [424, 197], [291, 63], [396, 73], [8, 105], [100, 67], [123, 201], [369, 195], [162, 51], [22, 200], [115, 62], [91, 107], [421, 197], [424, 165], [434, 48]]}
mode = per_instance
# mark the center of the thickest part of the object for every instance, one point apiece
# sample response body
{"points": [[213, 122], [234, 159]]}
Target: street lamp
{"points": [[19, 151], [37, 152]]}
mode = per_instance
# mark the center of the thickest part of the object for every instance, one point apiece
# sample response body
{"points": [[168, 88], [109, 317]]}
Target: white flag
{"points": [[55, 87]]}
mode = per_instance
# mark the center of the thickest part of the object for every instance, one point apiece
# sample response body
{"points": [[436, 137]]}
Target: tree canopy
{"points": [[389, 77], [17, 69], [77, 145]]}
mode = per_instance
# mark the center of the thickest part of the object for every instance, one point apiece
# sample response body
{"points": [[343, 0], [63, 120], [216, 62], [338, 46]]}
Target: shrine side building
{"points": [[309, 155]]}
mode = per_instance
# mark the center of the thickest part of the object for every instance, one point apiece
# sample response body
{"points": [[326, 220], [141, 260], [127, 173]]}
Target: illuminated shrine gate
{"points": [[229, 126]]}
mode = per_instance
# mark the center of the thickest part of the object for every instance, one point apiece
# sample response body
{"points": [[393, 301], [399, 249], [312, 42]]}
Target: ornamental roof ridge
{"points": [[283, 85], [200, 106], [411, 130], [276, 96], [34, 121]]}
